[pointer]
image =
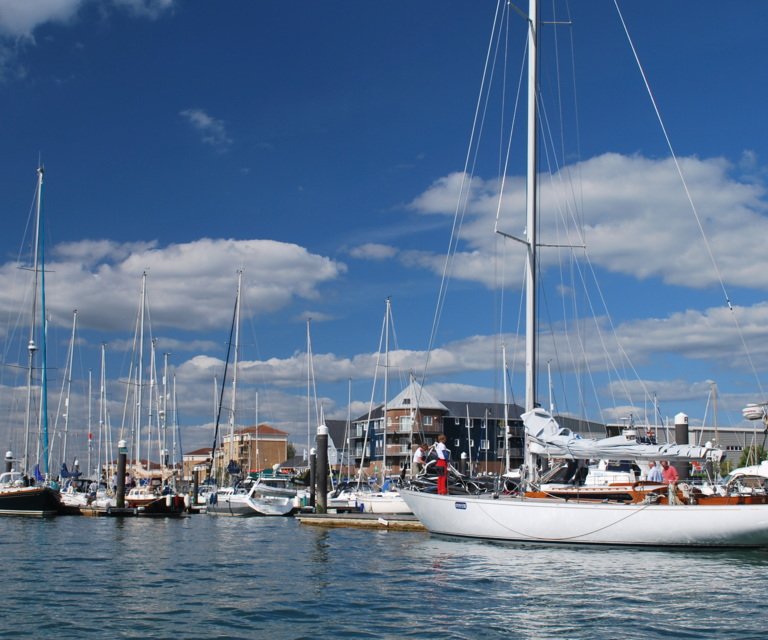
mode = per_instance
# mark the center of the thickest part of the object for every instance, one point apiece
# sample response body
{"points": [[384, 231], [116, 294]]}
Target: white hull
{"points": [[549, 521], [244, 505], [383, 503]]}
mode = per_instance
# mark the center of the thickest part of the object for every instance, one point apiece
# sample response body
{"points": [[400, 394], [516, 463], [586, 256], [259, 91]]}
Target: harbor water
{"points": [[205, 577]]}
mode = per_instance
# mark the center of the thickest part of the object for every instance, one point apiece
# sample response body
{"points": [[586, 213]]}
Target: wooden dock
{"points": [[394, 522]]}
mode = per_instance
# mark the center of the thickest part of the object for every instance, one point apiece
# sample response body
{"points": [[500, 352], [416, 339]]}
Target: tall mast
{"points": [[347, 430], [32, 345], [531, 205], [507, 461], [103, 417], [164, 411], [386, 379], [531, 222], [140, 369], [258, 460], [151, 401], [67, 384], [233, 408], [90, 425], [43, 358]]}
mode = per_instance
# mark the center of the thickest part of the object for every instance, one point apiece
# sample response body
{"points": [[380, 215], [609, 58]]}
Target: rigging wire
{"points": [[694, 210]]}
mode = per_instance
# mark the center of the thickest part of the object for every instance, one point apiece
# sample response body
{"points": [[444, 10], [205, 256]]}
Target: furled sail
{"points": [[547, 437]]}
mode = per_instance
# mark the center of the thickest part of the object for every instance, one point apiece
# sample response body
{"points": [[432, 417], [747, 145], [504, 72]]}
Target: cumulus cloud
{"points": [[212, 131], [373, 251], [632, 215], [191, 286], [20, 18]]}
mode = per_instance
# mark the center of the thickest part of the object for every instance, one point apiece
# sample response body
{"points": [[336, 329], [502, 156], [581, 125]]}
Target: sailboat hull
{"points": [[517, 519], [29, 501], [247, 505]]}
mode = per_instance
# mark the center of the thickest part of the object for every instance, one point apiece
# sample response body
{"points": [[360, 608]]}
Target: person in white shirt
{"points": [[654, 473], [419, 459]]}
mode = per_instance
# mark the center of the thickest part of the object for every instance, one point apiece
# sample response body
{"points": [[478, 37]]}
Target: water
{"points": [[204, 577]]}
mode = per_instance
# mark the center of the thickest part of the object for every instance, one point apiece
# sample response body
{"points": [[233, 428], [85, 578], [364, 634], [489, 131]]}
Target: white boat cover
{"points": [[546, 437]]}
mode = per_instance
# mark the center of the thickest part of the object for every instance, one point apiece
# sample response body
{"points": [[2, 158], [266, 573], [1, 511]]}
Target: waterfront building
{"points": [[256, 447]]}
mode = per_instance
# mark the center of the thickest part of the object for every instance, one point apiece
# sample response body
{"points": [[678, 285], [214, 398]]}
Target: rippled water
{"points": [[203, 577]]}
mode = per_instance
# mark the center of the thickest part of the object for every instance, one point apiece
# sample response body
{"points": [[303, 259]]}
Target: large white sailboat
{"points": [[643, 514]]}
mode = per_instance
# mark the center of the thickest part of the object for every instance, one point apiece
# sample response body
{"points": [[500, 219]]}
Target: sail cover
{"points": [[547, 437]]}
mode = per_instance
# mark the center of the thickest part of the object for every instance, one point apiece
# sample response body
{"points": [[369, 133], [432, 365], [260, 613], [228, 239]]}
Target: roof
{"points": [[414, 396], [336, 430], [262, 430], [477, 410], [205, 451]]}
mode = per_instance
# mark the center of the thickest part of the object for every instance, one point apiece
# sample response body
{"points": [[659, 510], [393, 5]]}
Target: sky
{"points": [[321, 148]]}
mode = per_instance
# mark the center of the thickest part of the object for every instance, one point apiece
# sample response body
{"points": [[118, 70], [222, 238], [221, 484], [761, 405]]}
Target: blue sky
{"points": [[317, 146]]}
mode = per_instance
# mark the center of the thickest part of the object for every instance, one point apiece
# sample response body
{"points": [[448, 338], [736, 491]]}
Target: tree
{"points": [[753, 454]]}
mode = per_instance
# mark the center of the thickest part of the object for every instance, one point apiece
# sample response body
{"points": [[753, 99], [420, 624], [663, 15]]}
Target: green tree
{"points": [[753, 454]]}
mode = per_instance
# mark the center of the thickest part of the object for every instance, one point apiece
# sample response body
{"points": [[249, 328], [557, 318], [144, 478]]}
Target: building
{"points": [[253, 448], [199, 459], [475, 432]]}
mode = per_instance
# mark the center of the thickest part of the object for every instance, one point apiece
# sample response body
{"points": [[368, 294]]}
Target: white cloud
{"points": [[373, 251], [212, 131], [191, 286], [635, 218], [146, 8], [20, 18]]}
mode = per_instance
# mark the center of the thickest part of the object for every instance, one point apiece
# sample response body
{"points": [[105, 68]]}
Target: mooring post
{"points": [[122, 454], [312, 475], [195, 488], [681, 437], [322, 469]]}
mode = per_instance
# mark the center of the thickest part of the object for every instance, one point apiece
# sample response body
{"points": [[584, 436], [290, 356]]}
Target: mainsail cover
{"points": [[546, 437]]}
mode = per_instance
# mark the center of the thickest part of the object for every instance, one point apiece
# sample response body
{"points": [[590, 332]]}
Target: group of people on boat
{"points": [[664, 473], [440, 454]]}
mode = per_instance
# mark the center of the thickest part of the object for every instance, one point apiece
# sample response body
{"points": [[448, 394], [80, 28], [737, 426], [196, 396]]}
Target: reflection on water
{"points": [[203, 577]]}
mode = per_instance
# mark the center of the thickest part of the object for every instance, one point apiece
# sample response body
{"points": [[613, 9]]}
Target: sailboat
{"points": [[648, 515], [29, 492], [151, 493], [240, 499], [360, 496]]}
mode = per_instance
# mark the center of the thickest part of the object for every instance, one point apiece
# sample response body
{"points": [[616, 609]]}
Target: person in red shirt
{"points": [[443, 456], [668, 472]]}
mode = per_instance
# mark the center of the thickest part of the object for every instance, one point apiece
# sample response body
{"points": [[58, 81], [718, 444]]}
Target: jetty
{"points": [[395, 522]]}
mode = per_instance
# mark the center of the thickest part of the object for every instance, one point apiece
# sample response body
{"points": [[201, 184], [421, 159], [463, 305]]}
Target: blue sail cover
{"points": [[66, 473]]}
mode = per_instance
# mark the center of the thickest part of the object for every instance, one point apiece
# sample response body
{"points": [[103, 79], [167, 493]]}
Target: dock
{"points": [[394, 522]]}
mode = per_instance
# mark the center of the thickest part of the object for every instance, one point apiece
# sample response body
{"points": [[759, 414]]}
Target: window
{"points": [[484, 445], [457, 443], [426, 421], [406, 401], [406, 423]]}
